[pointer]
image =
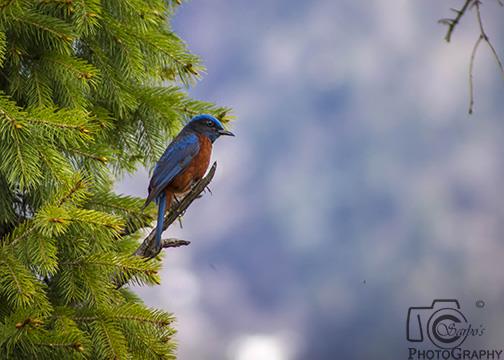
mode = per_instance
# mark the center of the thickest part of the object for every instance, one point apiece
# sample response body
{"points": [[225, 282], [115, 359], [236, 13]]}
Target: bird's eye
{"points": [[210, 123]]}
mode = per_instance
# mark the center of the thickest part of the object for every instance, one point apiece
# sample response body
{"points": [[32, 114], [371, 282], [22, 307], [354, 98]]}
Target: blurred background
{"points": [[357, 185]]}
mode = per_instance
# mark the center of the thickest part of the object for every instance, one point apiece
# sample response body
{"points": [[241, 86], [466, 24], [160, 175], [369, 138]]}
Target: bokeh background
{"points": [[357, 185]]}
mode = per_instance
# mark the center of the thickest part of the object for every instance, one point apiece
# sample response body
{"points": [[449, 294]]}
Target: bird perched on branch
{"points": [[183, 164]]}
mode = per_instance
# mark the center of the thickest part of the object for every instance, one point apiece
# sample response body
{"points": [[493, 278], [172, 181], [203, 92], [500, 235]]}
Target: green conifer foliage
{"points": [[89, 90]]}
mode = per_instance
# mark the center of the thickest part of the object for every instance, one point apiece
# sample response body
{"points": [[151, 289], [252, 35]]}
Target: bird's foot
{"points": [[176, 201]]}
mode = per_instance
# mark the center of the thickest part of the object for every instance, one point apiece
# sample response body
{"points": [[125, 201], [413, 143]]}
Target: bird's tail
{"points": [[162, 202]]}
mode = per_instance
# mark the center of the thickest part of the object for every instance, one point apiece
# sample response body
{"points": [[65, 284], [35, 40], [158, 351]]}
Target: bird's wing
{"points": [[176, 158]]}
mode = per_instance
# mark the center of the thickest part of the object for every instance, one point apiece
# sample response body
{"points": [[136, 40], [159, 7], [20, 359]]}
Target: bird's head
{"points": [[209, 126]]}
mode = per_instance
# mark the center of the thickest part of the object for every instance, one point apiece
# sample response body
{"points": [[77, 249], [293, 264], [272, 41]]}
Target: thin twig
{"points": [[452, 23], [172, 242], [483, 37], [487, 40], [471, 67]]}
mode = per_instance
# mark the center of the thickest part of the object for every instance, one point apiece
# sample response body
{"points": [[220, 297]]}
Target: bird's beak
{"points": [[225, 132]]}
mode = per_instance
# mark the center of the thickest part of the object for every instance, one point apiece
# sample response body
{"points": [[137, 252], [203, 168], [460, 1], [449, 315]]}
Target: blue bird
{"points": [[183, 163]]}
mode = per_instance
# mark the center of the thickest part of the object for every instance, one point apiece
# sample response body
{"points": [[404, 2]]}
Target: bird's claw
{"points": [[176, 200]]}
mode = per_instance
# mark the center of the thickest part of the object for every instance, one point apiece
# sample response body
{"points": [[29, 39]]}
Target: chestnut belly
{"points": [[195, 170]]}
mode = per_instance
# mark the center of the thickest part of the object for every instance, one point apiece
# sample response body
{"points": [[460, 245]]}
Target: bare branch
{"points": [[452, 23], [471, 67], [483, 37], [172, 242], [148, 249], [487, 40]]}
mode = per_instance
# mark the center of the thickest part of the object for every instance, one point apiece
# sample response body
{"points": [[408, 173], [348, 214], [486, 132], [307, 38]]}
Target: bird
{"points": [[184, 162]]}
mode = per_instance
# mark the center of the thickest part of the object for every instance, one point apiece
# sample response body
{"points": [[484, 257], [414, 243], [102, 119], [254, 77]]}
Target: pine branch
{"points": [[18, 284], [89, 89], [73, 193], [3, 47], [77, 346], [51, 25], [19, 164], [130, 312], [126, 207], [122, 268]]}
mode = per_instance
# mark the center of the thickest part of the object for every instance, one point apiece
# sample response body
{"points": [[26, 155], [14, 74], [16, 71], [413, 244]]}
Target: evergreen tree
{"points": [[89, 90]]}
